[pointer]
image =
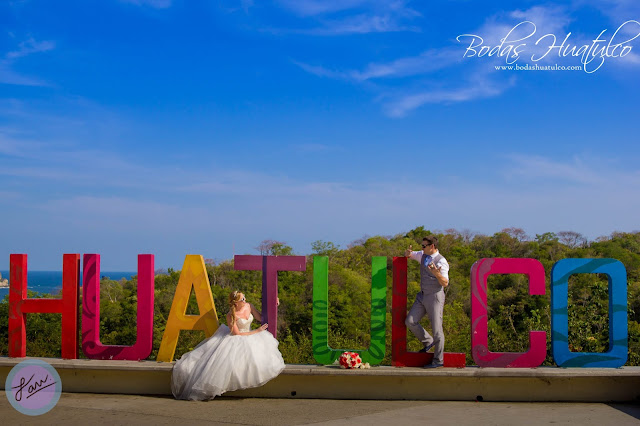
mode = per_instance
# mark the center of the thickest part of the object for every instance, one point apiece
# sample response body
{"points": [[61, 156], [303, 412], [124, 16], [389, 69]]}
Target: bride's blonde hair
{"points": [[234, 298]]}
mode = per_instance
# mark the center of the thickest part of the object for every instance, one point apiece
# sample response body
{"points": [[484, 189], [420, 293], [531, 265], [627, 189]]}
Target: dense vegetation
{"points": [[512, 312]]}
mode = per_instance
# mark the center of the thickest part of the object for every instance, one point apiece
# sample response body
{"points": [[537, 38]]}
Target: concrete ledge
{"points": [[332, 382]]}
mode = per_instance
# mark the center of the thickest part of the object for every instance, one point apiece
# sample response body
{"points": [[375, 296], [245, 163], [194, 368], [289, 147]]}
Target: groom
{"points": [[434, 277]]}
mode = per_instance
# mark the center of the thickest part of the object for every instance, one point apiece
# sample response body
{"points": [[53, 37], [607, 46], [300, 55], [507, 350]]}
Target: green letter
{"points": [[321, 350]]}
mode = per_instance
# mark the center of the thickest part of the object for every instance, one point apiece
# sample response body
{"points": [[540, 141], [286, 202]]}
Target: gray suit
{"points": [[429, 301]]}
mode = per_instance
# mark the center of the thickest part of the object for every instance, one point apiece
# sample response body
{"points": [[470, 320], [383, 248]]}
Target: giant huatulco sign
{"points": [[194, 276]]}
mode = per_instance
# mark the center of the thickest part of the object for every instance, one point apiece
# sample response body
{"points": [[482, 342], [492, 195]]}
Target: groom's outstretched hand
{"points": [[408, 252]]}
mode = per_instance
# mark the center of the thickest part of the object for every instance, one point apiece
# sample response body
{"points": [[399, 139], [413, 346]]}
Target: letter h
{"points": [[20, 305]]}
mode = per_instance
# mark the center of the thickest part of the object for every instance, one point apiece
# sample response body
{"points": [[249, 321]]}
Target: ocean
{"points": [[51, 281]]}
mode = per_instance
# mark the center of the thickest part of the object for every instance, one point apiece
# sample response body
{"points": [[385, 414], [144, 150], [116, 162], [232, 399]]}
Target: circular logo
{"points": [[33, 387]]}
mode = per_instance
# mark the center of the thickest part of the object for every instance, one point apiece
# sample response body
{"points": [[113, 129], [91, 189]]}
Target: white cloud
{"points": [[362, 24], [519, 27], [350, 16], [399, 102], [110, 212], [246, 5], [557, 21], [324, 72], [157, 4], [29, 47], [328, 7], [9, 195], [18, 146], [319, 7], [534, 167], [548, 19], [8, 76], [311, 147], [618, 11], [25, 48], [480, 87], [50, 161], [631, 59], [479, 80], [427, 62]]}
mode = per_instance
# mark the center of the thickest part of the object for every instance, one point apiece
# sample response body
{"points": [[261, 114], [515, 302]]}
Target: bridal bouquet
{"points": [[351, 360]]}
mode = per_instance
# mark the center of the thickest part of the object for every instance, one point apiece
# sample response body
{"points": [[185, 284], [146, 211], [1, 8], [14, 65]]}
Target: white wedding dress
{"points": [[225, 362]]}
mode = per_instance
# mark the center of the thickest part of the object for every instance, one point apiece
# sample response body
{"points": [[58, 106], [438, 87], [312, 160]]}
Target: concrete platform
{"points": [[380, 383], [103, 409]]}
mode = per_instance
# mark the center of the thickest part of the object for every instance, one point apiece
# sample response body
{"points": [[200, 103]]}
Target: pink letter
{"points": [[270, 265], [91, 345], [480, 271]]}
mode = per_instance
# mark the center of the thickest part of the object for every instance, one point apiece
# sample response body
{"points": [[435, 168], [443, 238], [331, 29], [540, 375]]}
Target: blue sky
{"points": [[204, 127]]}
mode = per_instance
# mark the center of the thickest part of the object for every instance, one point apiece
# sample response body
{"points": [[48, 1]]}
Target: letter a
{"points": [[194, 275]]}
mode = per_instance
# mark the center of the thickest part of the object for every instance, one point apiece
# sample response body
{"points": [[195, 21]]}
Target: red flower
{"points": [[350, 360]]}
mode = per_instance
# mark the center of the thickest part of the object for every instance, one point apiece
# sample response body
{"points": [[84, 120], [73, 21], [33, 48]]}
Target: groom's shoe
{"points": [[434, 365], [426, 348]]}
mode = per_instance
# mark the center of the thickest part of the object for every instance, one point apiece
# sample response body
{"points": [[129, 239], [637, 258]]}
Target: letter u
{"points": [[91, 345], [320, 330]]}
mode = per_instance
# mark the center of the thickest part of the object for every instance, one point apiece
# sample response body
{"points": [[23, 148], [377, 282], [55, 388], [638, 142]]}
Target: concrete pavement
{"points": [[99, 409]]}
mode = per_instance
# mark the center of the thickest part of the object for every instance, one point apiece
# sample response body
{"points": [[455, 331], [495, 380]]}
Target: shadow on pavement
{"points": [[631, 409]]}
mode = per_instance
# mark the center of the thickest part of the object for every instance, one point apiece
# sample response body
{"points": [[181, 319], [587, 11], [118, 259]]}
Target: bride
{"points": [[235, 357]]}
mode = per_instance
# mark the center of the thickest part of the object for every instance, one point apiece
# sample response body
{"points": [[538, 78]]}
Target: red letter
{"points": [[19, 305], [399, 355]]}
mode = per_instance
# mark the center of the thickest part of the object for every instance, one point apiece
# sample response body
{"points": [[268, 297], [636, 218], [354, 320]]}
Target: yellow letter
{"points": [[194, 274]]}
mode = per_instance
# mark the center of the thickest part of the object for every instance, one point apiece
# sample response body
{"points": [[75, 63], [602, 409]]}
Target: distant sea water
{"points": [[51, 281]]}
